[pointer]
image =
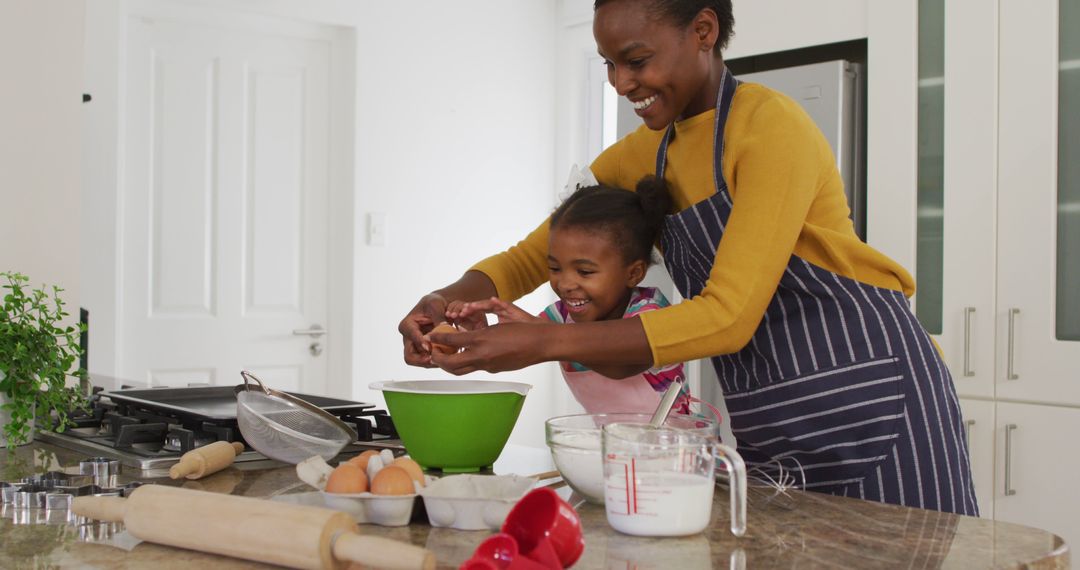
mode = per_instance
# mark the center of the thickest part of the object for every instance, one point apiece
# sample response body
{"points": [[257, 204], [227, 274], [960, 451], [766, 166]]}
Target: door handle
{"points": [[968, 311], [315, 331], [1010, 373], [1009, 491]]}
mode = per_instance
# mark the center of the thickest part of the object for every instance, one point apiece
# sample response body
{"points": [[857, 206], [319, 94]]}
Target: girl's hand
{"points": [[506, 346], [506, 312], [428, 312], [464, 320]]}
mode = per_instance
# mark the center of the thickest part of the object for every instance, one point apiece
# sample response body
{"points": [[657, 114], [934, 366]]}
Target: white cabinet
{"points": [[1036, 472], [998, 248], [967, 89], [1038, 203], [979, 427]]}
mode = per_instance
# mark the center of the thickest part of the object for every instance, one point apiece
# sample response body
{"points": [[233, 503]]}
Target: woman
{"points": [[822, 362]]}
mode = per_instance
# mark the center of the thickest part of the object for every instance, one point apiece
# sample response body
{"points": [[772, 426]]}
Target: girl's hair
{"points": [[632, 220], [682, 12]]}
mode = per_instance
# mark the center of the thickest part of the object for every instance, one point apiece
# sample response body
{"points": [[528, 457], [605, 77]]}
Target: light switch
{"points": [[376, 228]]}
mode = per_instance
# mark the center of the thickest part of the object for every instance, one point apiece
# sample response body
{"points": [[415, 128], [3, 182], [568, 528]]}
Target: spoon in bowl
{"points": [[666, 403]]}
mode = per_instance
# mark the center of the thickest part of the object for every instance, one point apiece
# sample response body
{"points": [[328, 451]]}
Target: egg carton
{"points": [[369, 508], [366, 508], [473, 502]]}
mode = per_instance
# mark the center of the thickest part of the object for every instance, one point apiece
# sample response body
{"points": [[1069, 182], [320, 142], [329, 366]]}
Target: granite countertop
{"points": [[799, 529]]}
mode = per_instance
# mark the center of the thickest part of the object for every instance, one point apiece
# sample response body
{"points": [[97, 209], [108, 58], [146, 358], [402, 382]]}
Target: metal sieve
{"points": [[284, 427]]}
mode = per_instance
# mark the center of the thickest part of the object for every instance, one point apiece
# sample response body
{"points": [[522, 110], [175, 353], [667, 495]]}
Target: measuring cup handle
{"points": [[737, 481]]}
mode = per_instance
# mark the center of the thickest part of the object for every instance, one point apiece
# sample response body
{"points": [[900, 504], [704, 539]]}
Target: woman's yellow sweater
{"points": [[788, 200]]}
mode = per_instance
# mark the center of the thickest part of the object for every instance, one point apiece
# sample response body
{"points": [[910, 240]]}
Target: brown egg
{"points": [[392, 480], [411, 467], [347, 478], [361, 460], [442, 348]]}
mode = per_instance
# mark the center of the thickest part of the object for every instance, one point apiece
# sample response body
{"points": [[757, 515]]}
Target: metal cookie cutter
{"points": [[7, 492], [65, 502], [47, 497], [102, 469]]}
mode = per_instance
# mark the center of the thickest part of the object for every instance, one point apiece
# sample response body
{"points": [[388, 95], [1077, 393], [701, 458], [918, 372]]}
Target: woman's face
{"points": [[662, 69], [587, 271]]}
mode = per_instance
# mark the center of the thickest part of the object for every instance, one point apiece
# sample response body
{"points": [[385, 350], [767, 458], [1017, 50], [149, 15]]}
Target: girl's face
{"points": [[664, 70], [589, 274]]}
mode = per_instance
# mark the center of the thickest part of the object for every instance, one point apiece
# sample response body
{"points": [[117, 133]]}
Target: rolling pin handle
{"points": [[381, 552], [109, 509], [186, 466]]}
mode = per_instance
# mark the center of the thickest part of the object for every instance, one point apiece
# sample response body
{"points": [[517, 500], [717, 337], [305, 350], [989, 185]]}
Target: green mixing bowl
{"points": [[458, 426]]}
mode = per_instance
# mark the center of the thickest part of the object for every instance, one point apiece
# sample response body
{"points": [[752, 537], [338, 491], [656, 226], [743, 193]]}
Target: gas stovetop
{"points": [[148, 430]]}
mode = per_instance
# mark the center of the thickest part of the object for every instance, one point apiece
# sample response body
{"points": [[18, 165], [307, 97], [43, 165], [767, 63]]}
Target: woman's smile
{"points": [[665, 71], [644, 103]]}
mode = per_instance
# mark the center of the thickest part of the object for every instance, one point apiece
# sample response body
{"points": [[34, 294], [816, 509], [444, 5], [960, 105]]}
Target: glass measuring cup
{"points": [[659, 481]]}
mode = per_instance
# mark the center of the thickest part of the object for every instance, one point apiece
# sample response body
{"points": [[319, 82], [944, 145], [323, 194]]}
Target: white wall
{"points": [[40, 114], [456, 110]]}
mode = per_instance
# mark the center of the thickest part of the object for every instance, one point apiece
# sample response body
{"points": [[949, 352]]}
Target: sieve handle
{"points": [[249, 376]]}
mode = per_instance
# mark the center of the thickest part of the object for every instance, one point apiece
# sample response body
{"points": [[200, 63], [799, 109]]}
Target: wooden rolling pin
{"points": [[292, 535], [202, 461]]}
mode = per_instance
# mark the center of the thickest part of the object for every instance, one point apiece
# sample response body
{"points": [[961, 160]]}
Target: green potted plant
{"points": [[38, 353]]}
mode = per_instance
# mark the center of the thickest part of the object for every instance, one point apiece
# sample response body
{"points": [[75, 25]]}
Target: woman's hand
{"points": [[430, 311], [475, 311], [506, 346]]}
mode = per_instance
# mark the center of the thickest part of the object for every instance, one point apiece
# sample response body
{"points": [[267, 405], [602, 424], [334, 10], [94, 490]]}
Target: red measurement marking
{"points": [[633, 471]]}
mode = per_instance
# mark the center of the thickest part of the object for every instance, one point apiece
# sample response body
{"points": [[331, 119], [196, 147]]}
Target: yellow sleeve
{"points": [[520, 269], [778, 163]]}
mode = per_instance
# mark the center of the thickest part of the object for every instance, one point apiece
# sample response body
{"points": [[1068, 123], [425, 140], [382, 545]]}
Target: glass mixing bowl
{"points": [[575, 445]]}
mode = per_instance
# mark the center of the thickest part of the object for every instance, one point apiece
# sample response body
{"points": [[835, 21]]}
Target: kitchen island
{"points": [[796, 529]]}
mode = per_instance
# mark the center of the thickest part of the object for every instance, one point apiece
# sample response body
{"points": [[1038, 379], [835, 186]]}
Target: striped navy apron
{"points": [[839, 378]]}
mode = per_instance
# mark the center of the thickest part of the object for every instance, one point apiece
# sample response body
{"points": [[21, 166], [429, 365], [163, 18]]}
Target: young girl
{"points": [[599, 248]]}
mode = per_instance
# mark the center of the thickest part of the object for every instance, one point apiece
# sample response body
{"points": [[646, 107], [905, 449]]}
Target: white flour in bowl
{"points": [[577, 457]]}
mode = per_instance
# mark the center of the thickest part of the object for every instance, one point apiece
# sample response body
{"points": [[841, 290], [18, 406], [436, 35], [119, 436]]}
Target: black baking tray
{"points": [[213, 402]]}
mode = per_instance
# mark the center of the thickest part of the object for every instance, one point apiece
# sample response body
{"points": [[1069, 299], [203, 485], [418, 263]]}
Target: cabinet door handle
{"points": [[1008, 460], [967, 436], [968, 311], [1010, 373]]}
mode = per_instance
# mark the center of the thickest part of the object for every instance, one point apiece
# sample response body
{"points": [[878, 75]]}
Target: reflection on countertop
{"points": [[806, 530]]}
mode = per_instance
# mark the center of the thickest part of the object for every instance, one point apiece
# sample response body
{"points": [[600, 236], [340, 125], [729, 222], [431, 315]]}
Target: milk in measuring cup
{"points": [[658, 504]]}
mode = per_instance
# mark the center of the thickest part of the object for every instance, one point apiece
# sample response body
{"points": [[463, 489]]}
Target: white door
{"points": [[224, 224], [1039, 203]]}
